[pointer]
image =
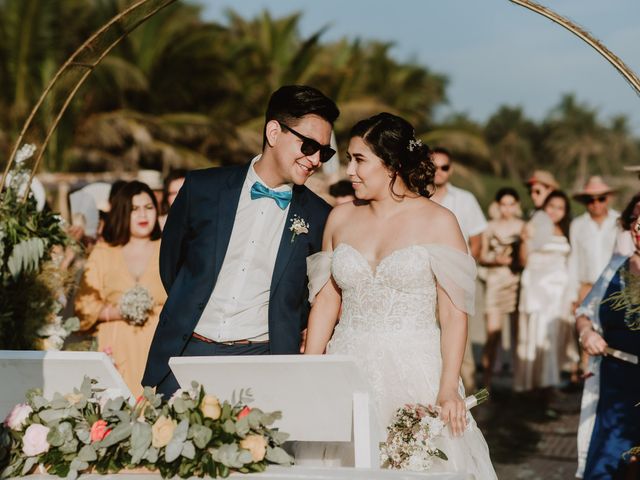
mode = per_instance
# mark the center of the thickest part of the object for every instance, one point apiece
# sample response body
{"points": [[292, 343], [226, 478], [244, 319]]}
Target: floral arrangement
{"points": [[135, 305], [30, 279], [410, 443], [192, 434]]}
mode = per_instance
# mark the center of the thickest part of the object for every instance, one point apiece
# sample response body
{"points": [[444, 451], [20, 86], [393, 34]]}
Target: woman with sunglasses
{"points": [[397, 264], [608, 326]]}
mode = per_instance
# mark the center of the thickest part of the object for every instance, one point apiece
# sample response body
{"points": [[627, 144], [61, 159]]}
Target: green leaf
{"points": [[188, 450], [141, 436], [28, 465], [242, 426], [229, 427], [201, 435], [279, 456], [118, 434], [87, 454]]}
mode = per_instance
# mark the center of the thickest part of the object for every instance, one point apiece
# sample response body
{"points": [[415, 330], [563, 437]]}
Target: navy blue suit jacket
{"points": [[194, 244]]}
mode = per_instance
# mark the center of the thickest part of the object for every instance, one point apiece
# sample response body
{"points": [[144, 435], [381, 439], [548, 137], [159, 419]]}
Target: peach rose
{"points": [[99, 431], [210, 407], [256, 444], [18, 416], [162, 431], [244, 412]]}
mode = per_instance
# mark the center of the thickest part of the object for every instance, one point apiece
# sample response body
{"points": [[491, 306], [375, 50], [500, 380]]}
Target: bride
{"points": [[395, 268]]}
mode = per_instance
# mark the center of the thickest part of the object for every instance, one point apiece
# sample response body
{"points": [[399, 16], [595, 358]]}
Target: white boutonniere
{"points": [[298, 227]]}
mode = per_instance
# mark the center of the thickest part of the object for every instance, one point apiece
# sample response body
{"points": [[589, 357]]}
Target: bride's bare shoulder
{"points": [[442, 225]]}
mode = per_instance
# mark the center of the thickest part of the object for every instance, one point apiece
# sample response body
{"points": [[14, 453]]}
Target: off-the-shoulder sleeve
{"points": [[319, 272], [456, 273]]}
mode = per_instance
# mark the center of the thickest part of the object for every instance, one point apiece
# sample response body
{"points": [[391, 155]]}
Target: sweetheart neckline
{"points": [[373, 271]]}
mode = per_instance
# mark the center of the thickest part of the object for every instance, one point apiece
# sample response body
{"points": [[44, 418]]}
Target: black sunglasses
{"points": [[310, 146], [444, 168], [599, 199]]}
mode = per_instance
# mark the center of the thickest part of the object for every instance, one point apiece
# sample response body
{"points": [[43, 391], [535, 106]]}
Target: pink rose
{"points": [[244, 412], [99, 431], [18, 416], [34, 441]]}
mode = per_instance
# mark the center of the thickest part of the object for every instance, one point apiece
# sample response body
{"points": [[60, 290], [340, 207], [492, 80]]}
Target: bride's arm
{"points": [[326, 306], [322, 318], [453, 339]]}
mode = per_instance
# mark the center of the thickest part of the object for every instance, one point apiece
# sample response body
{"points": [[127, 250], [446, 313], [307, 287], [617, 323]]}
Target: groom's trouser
{"points": [[197, 348]]}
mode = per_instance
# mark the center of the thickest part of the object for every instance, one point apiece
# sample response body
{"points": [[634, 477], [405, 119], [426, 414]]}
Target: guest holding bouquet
{"points": [[121, 295], [608, 324]]}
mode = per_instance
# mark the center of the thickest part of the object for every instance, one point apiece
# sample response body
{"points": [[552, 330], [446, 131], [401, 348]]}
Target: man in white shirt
{"points": [[461, 202], [465, 207], [234, 247], [592, 236]]}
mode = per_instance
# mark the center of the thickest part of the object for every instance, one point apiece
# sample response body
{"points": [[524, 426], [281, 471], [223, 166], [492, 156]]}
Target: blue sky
{"points": [[493, 51]]}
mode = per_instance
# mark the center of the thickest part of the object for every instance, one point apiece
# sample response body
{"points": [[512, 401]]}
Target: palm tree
{"points": [[574, 138]]}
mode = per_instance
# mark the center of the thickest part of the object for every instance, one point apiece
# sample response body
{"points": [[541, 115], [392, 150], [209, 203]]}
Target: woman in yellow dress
{"points": [[127, 258]]}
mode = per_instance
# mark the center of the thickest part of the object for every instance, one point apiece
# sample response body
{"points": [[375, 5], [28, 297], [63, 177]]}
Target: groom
{"points": [[234, 248]]}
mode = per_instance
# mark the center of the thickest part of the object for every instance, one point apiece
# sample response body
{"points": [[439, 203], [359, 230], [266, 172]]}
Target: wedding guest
{"points": [[127, 258], [592, 236], [540, 184], [172, 185], [465, 207], [543, 302], [342, 191], [608, 319], [499, 255]]}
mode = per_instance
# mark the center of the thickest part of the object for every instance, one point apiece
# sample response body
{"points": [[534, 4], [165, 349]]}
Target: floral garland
{"points": [[191, 435]]}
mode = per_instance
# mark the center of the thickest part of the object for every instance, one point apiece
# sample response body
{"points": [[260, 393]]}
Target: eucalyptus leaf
{"points": [[201, 435], [188, 450], [242, 426], [118, 434], [279, 456], [141, 436], [151, 455], [28, 465], [79, 465], [87, 454], [229, 427]]}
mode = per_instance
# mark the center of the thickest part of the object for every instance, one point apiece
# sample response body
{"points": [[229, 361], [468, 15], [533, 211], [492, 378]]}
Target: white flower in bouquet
{"points": [[135, 305], [54, 333]]}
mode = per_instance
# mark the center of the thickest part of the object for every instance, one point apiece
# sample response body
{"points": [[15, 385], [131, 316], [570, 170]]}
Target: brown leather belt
{"points": [[244, 341]]}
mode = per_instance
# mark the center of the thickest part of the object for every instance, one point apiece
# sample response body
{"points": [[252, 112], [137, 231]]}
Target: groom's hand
{"points": [[303, 340]]}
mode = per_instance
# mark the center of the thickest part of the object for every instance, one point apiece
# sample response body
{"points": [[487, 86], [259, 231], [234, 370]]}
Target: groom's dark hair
{"points": [[292, 102]]}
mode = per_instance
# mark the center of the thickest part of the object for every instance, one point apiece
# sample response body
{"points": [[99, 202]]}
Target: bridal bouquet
{"points": [[191, 435], [411, 434], [135, 305]]}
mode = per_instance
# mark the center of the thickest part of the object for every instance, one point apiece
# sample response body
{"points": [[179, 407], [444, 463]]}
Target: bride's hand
{"points": [[452, 411]]}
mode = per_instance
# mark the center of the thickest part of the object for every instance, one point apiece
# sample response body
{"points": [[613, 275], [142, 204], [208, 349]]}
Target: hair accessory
{"points": [[413, 144]]}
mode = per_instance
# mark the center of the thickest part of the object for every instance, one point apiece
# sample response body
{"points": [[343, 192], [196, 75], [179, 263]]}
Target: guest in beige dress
{"points": [[499, 256], [544, 303], [129, 256]]}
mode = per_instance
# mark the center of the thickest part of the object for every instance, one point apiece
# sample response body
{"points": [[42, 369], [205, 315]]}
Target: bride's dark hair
{"points": [[392, 139]]}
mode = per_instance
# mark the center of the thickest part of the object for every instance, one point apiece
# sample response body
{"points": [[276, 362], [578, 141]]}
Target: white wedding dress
{"points": [[389, 324]]}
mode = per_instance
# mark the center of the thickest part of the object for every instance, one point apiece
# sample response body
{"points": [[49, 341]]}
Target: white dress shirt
{"points": [[466, 209], [238, 308], [591, 248]]}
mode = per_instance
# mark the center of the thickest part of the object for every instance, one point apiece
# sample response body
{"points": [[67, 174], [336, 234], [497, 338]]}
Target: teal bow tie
{"points": [[258, 190]]}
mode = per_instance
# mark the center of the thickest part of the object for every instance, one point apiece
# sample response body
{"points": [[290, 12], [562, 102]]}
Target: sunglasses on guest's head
{"points": [[599, 199], [444, 168], [310, 146]]}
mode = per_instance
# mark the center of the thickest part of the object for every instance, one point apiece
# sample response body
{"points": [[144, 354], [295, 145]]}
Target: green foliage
{"points": [[28, 293], [119, 435]]}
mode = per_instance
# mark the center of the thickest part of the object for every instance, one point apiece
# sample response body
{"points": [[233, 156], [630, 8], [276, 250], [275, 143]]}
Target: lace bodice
{"points": [[400, 293]]}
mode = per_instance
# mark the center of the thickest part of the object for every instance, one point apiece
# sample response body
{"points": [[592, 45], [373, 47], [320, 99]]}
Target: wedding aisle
{"points": [[527, 443]]}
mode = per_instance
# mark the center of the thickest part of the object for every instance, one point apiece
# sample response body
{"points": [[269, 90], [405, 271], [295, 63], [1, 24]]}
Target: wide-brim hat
{"points": [[544, 177], [595, 186]]}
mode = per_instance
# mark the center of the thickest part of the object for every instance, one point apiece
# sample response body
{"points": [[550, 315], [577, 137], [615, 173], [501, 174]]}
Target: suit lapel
{"points": [[287, 247], [227, 207]]}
